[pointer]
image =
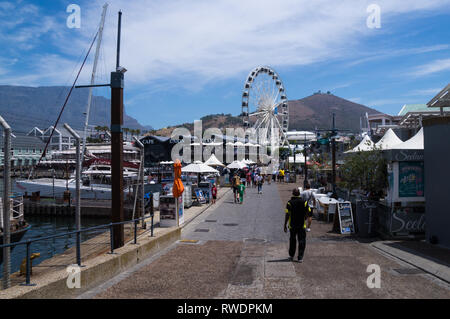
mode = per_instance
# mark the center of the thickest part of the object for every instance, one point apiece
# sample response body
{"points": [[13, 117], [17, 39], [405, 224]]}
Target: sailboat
{"points": [[18, 225]]}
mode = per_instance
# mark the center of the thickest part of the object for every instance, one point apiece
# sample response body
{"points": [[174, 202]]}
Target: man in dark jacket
{"points": [[297, 210]]}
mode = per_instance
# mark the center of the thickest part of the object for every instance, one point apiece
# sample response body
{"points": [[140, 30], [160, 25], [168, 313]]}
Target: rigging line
{"points": [[67, 99]]}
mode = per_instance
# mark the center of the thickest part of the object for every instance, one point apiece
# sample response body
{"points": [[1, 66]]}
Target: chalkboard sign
{"points": [[346, 218], [200, 197], [411, 179]]}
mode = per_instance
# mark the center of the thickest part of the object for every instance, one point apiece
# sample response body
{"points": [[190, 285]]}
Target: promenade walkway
{"points": [[240, 251], [99, 245]]}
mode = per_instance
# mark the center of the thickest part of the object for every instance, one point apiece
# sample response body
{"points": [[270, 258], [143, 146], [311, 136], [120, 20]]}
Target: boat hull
{"points": [[47, 189], [16, 236]]}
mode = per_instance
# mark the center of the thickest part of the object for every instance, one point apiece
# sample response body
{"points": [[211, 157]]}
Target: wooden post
{"points": [[117, 84]]}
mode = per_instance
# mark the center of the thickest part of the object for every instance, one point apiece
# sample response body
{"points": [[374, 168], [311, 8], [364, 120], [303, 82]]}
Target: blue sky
{"points": [[187, 58]]}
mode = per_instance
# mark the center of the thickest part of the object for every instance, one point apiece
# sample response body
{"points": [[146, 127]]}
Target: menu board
{"points": [[411, 179], [346, 218], [200, 197]]}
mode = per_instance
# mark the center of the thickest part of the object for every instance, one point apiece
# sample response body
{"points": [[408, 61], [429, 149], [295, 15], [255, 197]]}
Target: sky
{"points": [[190, 58]]}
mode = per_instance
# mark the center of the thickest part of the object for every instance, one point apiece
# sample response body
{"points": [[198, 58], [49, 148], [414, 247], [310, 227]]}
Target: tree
{"points": [[365, 171]]}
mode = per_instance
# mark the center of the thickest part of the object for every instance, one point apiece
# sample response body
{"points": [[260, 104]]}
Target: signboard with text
{"points": [[411, 179], [346, 218]]}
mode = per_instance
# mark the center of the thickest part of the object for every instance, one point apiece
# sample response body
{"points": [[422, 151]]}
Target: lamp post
{"points": [[77, 191], [141, 171], [6, 203]]}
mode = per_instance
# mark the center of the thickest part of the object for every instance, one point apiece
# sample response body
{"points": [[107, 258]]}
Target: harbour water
{"points": [[42, 226]]}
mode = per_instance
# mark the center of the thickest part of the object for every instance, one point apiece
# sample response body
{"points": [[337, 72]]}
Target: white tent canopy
{"points": [[248, 162], [237, 165], [213, 161], [414, 143], [388, 140], [365, 145], [198, 168]]}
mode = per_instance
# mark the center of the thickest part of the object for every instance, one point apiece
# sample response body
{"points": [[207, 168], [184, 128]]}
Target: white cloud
{"points": [[391, 53], [431, 68], [424, 92], [197, 42]]}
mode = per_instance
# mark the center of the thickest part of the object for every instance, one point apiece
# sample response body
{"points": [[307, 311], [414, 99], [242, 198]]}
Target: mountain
{"points": [[309, 113], [26, 107], [208, 121], [316, 111]]}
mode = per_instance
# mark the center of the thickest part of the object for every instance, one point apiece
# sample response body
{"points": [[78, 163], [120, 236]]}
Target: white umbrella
{"points": [[198, 168], [237, 165], [213, 161]]}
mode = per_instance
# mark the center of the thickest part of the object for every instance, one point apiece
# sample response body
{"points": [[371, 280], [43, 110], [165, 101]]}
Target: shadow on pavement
{"points": [[425, 250], [279, 260]]}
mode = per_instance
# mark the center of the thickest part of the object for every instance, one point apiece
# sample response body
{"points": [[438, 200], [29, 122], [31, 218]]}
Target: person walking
{"points": [[214, 193], [249, 178], [297, 211], [281, 175], [252, 177], [259, 181], [241, 192], [307, 196], [269, 178], [236, 182]]}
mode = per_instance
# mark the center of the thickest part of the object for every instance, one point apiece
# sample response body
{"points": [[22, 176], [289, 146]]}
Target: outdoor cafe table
{"points": [[329, 204]]}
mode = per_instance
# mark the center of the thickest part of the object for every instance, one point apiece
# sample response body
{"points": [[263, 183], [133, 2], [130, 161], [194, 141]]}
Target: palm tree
{"points": [[98, 128], [126, 130]]}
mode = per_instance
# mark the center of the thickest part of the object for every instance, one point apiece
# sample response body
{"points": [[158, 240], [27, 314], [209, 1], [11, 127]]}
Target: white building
{"points": [[61, 139]]}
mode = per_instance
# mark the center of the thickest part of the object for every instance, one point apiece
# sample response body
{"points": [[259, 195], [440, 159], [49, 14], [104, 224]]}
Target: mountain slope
{"points": [[26, 107], [316, 111], [311, 112]]}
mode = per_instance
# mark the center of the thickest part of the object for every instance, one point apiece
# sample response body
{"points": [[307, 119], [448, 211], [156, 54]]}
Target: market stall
{"points": [[403, 212]]}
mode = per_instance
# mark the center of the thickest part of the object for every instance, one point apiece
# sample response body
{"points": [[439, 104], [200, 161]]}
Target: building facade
{"points": [[25, 151]]}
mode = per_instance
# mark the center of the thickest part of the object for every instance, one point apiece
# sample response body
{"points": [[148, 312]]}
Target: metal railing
{"points": [[28, 242]]}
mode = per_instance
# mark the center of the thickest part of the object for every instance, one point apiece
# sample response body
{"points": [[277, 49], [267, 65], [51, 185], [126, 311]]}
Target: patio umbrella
{"points": [[198, 168], [213, 161], [237, 165], [178, 187]]}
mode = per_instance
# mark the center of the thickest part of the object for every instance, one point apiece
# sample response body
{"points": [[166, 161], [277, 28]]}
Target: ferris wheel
{"points": [[265, 107]]}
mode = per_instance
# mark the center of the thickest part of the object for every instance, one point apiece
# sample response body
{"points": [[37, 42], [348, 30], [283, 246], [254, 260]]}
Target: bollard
{"points": [[135, 231], [152, 227], [111, 237], [28, 270], [79, 249]]}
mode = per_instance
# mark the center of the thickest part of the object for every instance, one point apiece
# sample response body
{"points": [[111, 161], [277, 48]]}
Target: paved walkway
{"points": [[240, 251]]}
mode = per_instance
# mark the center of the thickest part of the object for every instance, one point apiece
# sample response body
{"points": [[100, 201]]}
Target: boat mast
{"points": [[94, 69]]}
